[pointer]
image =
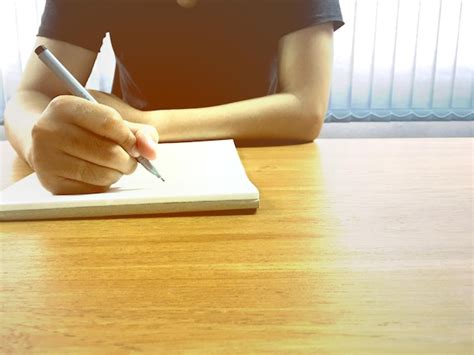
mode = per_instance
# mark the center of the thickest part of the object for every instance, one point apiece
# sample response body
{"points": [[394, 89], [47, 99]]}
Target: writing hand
{"points": [[82, 147]]}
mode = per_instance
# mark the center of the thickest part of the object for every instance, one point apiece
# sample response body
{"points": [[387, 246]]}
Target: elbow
{"points": [[312, 112], [312, 123]]}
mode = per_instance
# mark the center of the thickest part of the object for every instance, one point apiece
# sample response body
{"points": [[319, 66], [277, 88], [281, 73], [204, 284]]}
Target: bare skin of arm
{"points": [[73, 145], [295, 114], [58, 135]]}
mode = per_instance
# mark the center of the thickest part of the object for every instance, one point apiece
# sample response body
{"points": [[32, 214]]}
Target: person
{"points": [[250, 70]]}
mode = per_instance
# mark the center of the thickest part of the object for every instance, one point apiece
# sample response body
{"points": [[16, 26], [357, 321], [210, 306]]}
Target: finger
{"points": [[146, 146], [147, 129], [76, 169], [95, 149], [99, 119], [147, 138]]}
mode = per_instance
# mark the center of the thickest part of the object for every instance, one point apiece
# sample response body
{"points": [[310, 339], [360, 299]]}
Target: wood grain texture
{"points": [[359, 246]]}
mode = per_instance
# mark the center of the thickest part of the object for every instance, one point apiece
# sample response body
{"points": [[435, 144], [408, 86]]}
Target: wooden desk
{"points": [[360, 246]]}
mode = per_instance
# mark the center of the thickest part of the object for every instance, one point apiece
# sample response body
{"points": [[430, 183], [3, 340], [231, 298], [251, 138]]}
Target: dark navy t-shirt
{"points": [[168, 57]]}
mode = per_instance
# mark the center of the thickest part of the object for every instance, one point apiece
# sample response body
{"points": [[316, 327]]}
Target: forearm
{"points": [[21, 114], [280, 117]]}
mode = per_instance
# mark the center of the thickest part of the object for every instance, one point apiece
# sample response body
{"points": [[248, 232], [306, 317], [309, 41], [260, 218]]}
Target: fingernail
{"points": [[134, 152]]}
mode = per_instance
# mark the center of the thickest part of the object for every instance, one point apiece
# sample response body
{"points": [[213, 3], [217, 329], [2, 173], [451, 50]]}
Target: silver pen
{"points": [[77, 89]]}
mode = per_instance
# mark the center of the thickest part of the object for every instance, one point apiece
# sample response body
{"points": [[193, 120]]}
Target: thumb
{"points": [[147, 139]]}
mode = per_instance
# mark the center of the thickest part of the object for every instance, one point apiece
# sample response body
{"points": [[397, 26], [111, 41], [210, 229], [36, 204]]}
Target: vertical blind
{"points": [[404, 60], [393, 60]]}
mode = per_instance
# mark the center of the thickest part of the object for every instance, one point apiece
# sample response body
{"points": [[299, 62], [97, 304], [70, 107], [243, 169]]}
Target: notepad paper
{"points": [[199, 176]]}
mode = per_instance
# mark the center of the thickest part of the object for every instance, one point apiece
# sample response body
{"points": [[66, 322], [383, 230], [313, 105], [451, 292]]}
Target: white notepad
{"points": [[200, 176]]}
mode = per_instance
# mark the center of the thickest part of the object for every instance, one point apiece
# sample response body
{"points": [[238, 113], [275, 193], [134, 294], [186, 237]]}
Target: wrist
{"points": [[134, 115], [152, 118]]}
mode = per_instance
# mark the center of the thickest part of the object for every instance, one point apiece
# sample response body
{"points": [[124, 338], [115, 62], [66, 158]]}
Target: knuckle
{"points": [[104, 156], [60, 102], [106, 123], [119, 159], [112, 121], [111, 152], [110, 118], [79, 143], [128, 141], [122, 161]]}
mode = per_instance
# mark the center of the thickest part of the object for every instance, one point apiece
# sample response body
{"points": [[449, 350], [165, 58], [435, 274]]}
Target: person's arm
{"points": [[38, 87], [295, 114], [73, 145]]}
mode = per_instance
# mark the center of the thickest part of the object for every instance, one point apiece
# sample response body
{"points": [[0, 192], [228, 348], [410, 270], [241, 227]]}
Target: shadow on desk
{"points": [[222, 213]]}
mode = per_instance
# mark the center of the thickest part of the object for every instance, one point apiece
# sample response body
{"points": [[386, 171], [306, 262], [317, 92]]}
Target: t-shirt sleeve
{"points": [[73, 21], [323, 11], [305, 13]]}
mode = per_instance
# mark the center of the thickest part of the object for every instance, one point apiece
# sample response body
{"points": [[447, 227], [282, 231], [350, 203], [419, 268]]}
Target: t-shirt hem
{"points": [[337, 22], [57, 36]]}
